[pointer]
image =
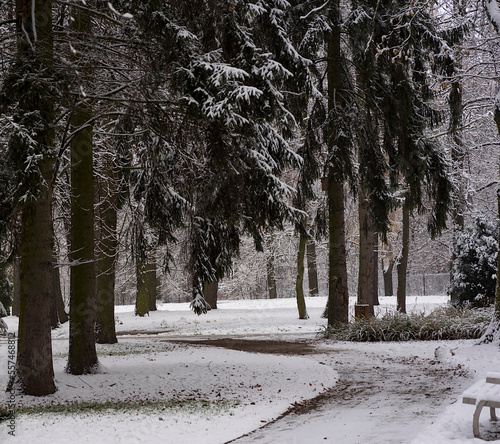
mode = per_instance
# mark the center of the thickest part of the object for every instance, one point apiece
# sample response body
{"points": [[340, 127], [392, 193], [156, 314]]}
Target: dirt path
{"points": [[371, 383]]}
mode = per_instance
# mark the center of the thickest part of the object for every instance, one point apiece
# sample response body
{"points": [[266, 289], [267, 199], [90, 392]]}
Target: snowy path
{"points": [[388, 392], [379, 399]]}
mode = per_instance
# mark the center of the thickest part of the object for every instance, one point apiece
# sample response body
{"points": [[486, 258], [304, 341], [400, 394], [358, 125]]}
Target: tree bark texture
{"points": [[106, 253], [458, 160], [402, 261], [151, 284], [35, 372], [142, 298], [210, 293], [271, 278], [299, 283], [82, 356], [387, 273], [338, 296], [368, 260], [57, 312], [497, 296], [312, 268], [17, 286]]}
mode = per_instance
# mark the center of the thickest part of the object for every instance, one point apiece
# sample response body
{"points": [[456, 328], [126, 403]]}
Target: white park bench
{"points": [[484, 394]]}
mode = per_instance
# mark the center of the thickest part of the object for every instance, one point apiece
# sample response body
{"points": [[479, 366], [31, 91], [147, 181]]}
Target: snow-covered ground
{"points": [[222, 394]]}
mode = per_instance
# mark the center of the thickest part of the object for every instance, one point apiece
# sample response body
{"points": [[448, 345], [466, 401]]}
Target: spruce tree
{"points": [[228, 75], [404, 39], [492, 8], [31, 88]]}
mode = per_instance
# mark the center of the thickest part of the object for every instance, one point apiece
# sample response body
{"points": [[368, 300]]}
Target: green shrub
{"points": [[474, 272], [443, 323]]}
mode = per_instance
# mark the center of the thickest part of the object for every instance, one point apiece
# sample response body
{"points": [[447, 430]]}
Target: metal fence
{"points": [[422, 284]]}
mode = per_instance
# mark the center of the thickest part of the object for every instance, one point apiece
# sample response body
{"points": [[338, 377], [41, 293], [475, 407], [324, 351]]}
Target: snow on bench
{"points": [[484, 394]]}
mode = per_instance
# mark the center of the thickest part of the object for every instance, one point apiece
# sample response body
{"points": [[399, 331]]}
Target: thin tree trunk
{"points": [[271, 278], [58, 314], [106, 254], [387, 272], [17, 286], [142, 298], [368, 263], [312, 269], [34, 370], [210, 292], [375, 269], [402, 261], [338, 296], [82, 356], [457, 159], [299, 283], [497, 298], [58, 311], [60, 307]]}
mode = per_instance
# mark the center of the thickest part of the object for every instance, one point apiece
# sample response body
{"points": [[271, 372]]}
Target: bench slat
{"points": [[493, 378], [482, 391]]}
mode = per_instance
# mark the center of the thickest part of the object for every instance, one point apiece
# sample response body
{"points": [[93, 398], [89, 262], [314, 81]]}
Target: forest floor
{"points": [[251, 372]]}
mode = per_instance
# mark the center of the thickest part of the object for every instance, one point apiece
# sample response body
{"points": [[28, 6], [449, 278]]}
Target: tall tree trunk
{"points": [[58, 314], [374, 283], [106, 253], [271, 278], [34, 371], [142, 297], [151, 284], [457, 156], [312, 268], [210, 292], [497, 298], [299, 283], [402, 261], [17, 286], [61, 309], [368, 261], [34, 360], [82, 356], [387, 273], [338, 296]]}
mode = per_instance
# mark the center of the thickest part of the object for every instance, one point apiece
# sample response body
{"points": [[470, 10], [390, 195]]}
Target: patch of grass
{"points": [[89, 407], [446, 323], [123, 350], [5, 413]]}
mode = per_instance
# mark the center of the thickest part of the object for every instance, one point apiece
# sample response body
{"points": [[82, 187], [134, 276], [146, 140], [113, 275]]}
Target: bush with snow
{"points": [[445, 323], [474, 271]]}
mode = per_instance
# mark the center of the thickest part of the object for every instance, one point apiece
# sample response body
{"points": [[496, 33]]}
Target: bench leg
{"points": [[475, 419], [493, 415]]}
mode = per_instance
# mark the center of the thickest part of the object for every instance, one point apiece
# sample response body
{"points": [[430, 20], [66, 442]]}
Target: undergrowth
{"points": [[189, 405], [445, 323]]}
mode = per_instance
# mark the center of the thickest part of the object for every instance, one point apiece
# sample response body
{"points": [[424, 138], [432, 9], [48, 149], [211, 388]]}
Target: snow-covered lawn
{"points": [[220, 394]]}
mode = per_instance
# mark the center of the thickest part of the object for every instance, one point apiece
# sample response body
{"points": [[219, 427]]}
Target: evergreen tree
{"points": [[27, 96], [229, 73], [474, 269], [492, 8], [107, 195], [402, 43]]}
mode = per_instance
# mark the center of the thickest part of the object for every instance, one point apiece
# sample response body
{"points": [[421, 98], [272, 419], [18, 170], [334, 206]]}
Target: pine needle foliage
{"points": [[474, 272]]}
